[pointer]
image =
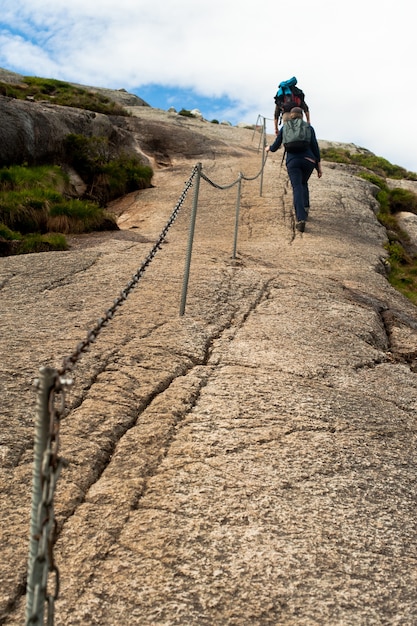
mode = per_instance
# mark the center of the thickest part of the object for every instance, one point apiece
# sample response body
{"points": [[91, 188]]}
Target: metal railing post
{"points": [[263, 157], [256, 127], [37, 565], [190, 240], [239, 186]]}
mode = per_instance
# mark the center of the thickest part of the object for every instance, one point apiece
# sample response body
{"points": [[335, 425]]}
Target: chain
{"points": [[70, 361], [213, 184], [44, 564], [258, 174], [235, 182]]}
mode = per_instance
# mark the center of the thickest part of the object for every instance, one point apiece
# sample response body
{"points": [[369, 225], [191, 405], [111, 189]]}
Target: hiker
{"points": [[303, 156], [287, 97]]}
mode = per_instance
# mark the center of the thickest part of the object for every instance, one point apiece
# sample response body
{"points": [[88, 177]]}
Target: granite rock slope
{"points": [[249, 462]]}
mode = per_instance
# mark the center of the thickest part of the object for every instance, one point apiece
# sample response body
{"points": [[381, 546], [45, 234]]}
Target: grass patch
{"points": [[376, 164], [42, 243], [78, 216], [7, 234], [37, 200], [403, 274], [36, 211], [61, 93], [18, 177], [186, 113], [402, 256], [107, 178]]}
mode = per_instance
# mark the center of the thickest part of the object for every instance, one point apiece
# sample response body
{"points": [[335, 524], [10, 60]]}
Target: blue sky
{"points": [[355, 61], [164, 97]]}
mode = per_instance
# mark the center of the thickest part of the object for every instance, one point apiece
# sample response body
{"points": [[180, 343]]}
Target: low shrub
{"points": [[106, 177], [336, 155], [32, 206], [62, 93], [8, 234], [42, 243], [402, 254], [381, 166], [397, 253], [402, 200], [368, 160], [20, 177], [78, 216], [186, 113]]}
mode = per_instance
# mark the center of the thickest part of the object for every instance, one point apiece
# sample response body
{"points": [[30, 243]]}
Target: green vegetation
{"points": [[186, 113], [8, 234], [106, 177], [402, 255], [62, 93], [366, 159], [33, 242], [38, 207], [35, 211], [42, 243]]}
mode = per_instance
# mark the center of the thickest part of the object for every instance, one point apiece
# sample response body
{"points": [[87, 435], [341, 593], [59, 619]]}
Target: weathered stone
{"points": [[35, 132], [408, 222], [250, 462]]}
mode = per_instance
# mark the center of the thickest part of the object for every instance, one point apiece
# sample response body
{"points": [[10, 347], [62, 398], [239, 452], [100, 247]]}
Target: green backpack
{"points": [[296, 135]]}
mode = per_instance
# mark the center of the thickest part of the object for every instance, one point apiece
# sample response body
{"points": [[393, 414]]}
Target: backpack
{"points": [[288, 92], [296, 135], [285, 87]]}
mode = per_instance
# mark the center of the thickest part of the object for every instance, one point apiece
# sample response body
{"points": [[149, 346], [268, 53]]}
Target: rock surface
{"points": [[408, 222], [252, 461], [35, 133]]}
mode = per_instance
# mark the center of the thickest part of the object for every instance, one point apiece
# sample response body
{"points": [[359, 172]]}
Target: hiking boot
{"points": [[300, 226]]}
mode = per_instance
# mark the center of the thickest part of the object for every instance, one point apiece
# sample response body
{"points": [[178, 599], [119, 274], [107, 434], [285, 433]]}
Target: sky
{"points": [[355, 61]]}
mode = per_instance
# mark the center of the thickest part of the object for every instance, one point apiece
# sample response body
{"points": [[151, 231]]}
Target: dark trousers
{"points": [[299, 170]]}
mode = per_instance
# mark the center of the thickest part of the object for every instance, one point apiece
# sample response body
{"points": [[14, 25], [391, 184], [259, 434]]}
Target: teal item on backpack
{"points": [[296, 135], [285, 87]]}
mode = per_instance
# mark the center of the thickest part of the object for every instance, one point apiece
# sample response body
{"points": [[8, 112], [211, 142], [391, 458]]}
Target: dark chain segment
{"points": [[235, 182]]}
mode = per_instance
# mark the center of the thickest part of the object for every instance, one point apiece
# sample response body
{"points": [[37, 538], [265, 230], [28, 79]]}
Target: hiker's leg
{"points": [[308, 169], [306, 195], [295, 172]]}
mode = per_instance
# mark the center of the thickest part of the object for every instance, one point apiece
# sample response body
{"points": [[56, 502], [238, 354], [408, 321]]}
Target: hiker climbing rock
{"points": [[287, 97], [303, 156]]}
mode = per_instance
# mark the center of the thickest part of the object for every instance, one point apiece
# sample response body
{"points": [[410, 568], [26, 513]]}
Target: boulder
{"points": [[34, 133], [408, 222]]}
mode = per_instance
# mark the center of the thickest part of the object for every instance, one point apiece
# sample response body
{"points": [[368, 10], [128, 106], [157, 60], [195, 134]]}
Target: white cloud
{"points": [[354, 60]]}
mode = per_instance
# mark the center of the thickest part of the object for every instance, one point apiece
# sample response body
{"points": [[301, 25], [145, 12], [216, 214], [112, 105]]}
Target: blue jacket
{"points": [[313, 152]]}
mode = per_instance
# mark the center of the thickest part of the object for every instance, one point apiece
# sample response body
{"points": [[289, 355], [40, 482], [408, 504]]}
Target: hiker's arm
{"points": [[277, 143], [314, 145], [276, 118]]}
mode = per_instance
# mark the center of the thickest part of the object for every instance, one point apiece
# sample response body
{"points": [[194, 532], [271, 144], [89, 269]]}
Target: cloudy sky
{"points": [[354, 60]]}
